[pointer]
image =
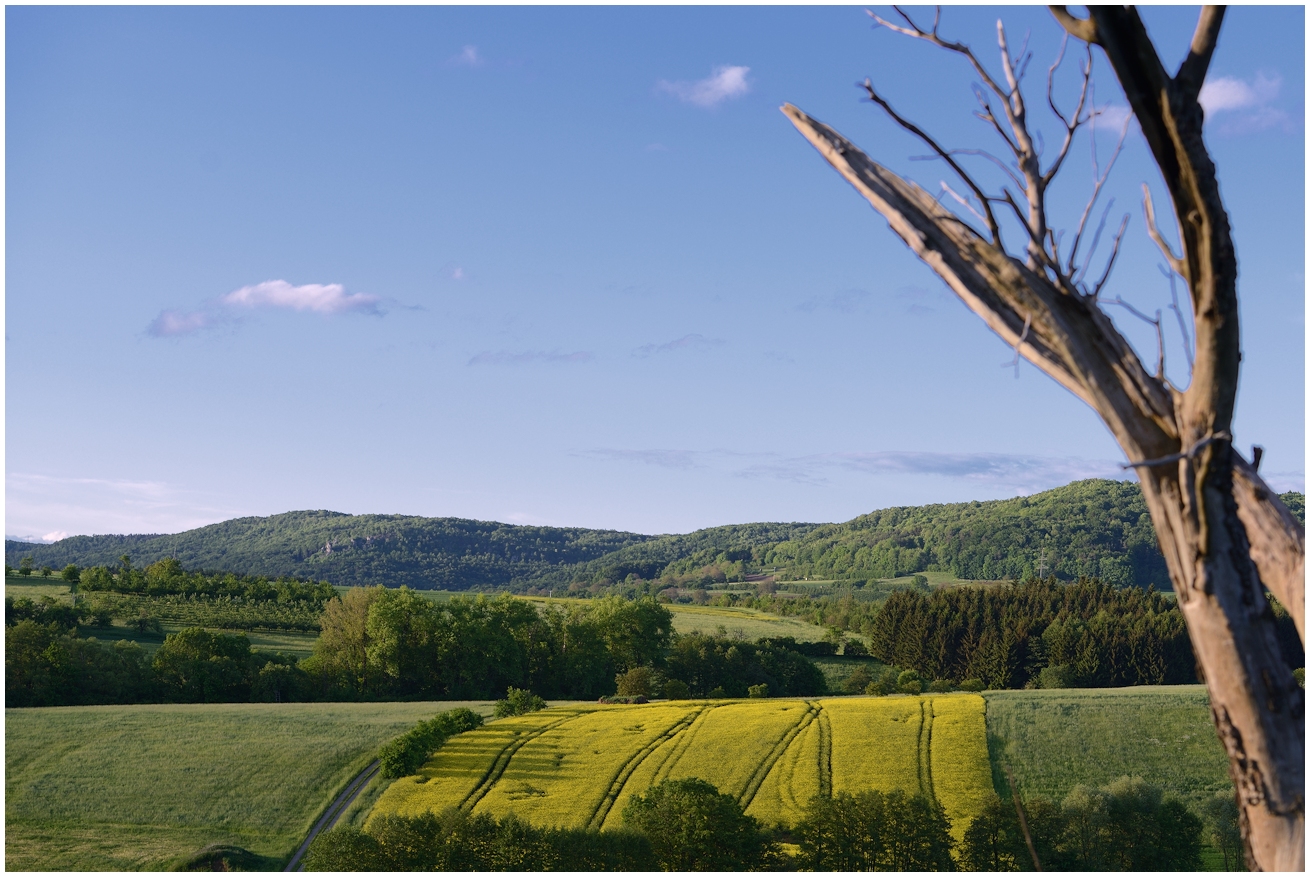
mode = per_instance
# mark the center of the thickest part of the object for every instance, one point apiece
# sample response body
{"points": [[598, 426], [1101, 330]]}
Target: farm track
{"points": [[825, 753], [620, 779], [682, 744], [926, 716], [333, 813], [779, 749], [502, 760]]}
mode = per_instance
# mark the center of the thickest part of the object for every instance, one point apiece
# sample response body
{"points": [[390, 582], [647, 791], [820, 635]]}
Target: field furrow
{"points": [[767, 765], [498, 767], [625, 772], [825, 753]]}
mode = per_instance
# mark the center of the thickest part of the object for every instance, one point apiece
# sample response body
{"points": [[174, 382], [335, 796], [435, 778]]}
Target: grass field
{"points": [[140, 787], [578, 765], [35, 587], [1054, 740]]}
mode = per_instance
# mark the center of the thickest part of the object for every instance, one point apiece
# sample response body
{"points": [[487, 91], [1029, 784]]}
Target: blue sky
{"points": [[557, 266]]}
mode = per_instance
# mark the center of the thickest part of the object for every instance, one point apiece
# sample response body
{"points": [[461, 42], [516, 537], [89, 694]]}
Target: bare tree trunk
{"points": [[1224, 535]]}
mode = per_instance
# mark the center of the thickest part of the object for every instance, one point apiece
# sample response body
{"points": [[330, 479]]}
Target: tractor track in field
{"points": [[683, 744], [825, 753], [779, 749], [625, 772], [502, 760], [333, 813], [924, 743]]}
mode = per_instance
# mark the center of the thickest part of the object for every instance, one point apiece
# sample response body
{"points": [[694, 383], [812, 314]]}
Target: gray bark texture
{"points": [[1226, 536]]}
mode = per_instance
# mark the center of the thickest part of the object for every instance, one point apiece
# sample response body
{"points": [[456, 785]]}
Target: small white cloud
{"points": [[1110, 118], [171, 323], [55, 536], [724, 83], [457, 274], [694, 341], [330, 298], [527, 357], [1224, 93], [467, 57]]}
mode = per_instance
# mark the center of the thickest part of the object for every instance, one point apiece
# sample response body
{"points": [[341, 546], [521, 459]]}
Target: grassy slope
{"points": [[138, 787], [1054, 740]]}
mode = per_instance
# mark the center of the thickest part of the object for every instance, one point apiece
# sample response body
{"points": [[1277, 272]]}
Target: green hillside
{"points": [[452, 553], [1092, 528]]}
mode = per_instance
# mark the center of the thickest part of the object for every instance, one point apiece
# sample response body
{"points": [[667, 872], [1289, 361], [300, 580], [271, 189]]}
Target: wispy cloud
{"points": [[695, 341], [319, 298], [724, 83], [664, 458], [58, 506], [1016, 471], [467, 57], [528, 357], [847, 301], [1250, 101]]}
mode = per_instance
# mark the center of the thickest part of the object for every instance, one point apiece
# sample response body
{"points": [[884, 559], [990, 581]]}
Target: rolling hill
{"points": [[1089, 528]]}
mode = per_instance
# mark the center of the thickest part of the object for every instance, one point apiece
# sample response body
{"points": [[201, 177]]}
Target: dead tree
{"points": [[1225, 535]]}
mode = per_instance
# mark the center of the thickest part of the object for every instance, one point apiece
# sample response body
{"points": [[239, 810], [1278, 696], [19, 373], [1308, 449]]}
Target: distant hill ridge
{"points": [[1095, 528]]}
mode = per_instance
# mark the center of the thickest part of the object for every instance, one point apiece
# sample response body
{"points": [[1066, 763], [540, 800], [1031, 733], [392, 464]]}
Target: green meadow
{"points": [[1055, 740], [125, 788]]}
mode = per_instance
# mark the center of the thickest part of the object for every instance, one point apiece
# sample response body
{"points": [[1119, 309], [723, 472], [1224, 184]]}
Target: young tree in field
{"points": [[1225, 535]]}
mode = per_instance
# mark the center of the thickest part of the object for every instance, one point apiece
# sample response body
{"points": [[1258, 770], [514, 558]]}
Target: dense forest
{"points": [[1096, 528]]}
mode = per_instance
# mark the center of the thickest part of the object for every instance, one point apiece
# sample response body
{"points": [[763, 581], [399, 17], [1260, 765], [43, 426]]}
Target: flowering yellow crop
{"points": [[578, 766]]}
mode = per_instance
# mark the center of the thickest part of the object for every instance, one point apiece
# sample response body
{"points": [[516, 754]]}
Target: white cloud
{"points": [[458, 274], [1110, 118], [171, 323], [319, 298], [694, 341], [1224, 93], [330, 298], [724, 83], [467, 57], [526, 357]]}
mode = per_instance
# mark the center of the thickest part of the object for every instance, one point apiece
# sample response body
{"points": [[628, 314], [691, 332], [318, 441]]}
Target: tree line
{"points": [[688, 825], [1084, 634]]}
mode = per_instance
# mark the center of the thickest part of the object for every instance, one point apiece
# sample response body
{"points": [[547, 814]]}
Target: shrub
{"points": [[404, 755], [908, 682], [518, 702], [974, 685], [676, 689], [761, 690], [855, 649], [1057, 676], [940, 686], [857, 681], [638, 680]]}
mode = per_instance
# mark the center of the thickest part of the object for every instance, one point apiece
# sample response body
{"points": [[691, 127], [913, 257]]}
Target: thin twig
{"points": [[1027, 324], [1109, 264], [914, 129], [1096, 193], [1178, 312], [1174, 262]]}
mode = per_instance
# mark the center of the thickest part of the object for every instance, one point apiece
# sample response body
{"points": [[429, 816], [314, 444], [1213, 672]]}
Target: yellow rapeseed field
{"points": [[577, 766]]}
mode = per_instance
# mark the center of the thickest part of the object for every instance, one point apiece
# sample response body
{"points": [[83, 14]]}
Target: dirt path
{"points": [[333, 812]]}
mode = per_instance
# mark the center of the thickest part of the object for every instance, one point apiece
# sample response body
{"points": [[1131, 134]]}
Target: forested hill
{"points": [[452, 553], [1089, 528], [1095, 528]]}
